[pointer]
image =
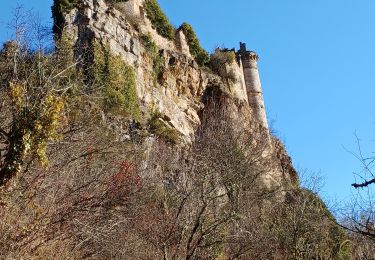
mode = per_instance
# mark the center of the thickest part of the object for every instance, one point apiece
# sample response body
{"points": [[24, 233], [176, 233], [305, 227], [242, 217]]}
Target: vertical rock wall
{"points": [[178, 92]]}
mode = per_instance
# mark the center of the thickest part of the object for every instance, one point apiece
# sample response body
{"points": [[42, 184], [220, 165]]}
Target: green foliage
{"points": [[65, 48], [159, 20], [219, 61], [59, 8], [221, 57], [118, 81], [158, 61], [149, 44], [161, 129], [34, 126], [230, 56], [66, 60], [200, 55]]}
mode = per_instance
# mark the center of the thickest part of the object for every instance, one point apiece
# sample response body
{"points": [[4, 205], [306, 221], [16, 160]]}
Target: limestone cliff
{"points": [[176, 91], [130, 141]]}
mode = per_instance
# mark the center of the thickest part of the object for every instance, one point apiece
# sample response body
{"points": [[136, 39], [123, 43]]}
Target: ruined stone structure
{"points": [[252, 80], [246, 84]]}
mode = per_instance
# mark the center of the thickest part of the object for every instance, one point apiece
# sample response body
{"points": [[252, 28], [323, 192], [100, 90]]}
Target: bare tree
{"points": [[366, 176], [359, 216]]}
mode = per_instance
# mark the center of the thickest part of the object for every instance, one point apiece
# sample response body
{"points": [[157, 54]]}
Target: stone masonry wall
{"points": [[253, 85]]}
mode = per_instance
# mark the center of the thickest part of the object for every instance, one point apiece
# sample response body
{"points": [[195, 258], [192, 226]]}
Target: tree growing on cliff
{"points": [[32, 97]]}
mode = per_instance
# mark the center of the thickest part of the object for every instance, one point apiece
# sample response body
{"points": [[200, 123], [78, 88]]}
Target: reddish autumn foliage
{"points": [[124, 183]]}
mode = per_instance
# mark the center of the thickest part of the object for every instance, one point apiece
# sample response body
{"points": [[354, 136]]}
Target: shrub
{"points": [[200, 55], [59, 8], [219, 60], [118, 80], [121, 89], [34, 125], [159, 20], [134, 20], [230, 56], [153, 52], [161, 129], [221, 57]]}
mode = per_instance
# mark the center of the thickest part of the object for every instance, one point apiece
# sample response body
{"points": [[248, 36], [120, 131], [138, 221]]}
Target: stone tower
{"points": [[253, 86]]}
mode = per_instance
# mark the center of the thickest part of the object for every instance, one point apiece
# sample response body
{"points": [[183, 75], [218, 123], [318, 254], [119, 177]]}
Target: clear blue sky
{"points": [[317, 70]]}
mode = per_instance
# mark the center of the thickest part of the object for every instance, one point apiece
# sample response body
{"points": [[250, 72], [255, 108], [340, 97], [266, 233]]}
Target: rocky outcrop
{"points": [[178, 91], [180, 87]]}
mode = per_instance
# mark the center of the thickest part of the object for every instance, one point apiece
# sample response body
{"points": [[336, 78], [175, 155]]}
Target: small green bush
{"points": [[153, 52], [149, 44], [220, 58], [218, 61], [159, 20], [118, 80], [230, 56], [158, 127], [200, 54], [59, 8]]}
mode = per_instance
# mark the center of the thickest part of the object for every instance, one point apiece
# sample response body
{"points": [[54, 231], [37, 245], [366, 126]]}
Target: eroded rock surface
{"points": [[178, 91]]}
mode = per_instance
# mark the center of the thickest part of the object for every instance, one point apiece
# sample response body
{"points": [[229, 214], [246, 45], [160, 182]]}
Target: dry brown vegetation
{"points": [[90, 184]]}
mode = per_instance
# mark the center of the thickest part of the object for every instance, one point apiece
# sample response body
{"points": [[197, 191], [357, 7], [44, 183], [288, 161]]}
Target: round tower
{"points": [[253, 85]]}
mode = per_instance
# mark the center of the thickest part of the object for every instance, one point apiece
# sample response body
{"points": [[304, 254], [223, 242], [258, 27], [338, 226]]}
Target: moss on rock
{"points": [[158, 61], [117, 80]]}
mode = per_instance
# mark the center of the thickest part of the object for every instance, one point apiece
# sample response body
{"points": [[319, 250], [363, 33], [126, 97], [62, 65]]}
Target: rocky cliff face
{"points": [[177, 92], [125, 144]]}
